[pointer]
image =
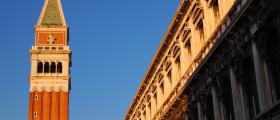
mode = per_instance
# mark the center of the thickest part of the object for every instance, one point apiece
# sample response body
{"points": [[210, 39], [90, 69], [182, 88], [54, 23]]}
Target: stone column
{"points": [[235, 95], [153, 104], [222, 108], [216, 105], [245, 107], [186, 116], [183, 57], [260, 77], [200, 116], [34, 67], [148, 111], [269, 84], [167, 84], [142, 116], [159, 94], [174, 74]]}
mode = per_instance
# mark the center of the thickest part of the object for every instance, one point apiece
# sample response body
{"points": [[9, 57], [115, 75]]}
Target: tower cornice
{"points": [[51, 28], [50, 51]]}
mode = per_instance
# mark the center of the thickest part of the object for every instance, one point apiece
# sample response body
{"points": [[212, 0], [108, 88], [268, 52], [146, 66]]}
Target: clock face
{"points": [[51, 38]]}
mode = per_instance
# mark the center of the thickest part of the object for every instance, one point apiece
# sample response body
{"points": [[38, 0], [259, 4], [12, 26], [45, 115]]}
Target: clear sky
{"points": [[113, 42]]}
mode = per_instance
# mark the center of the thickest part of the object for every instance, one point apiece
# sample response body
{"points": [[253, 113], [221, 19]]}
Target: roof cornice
{"points": [[158, 56]]}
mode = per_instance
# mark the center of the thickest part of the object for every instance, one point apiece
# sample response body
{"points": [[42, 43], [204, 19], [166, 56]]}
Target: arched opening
{"points": [[168, 69], [160, 77], [176, 56], [200, 29], [40, 67], [187, 43], [47, 67], [198, 21], [176, 51], [59, 67], [167, 66], [53, 67], [161, 86]]}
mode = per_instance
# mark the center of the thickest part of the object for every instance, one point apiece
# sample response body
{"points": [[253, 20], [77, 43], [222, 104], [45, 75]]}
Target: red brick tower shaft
{"points": [[50, 66]]}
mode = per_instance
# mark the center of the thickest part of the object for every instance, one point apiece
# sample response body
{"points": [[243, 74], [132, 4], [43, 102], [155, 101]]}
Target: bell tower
{"points": [[50, 58]]}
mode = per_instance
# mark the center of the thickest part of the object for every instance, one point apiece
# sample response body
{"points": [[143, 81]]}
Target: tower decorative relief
{"points": [[51, 38]]}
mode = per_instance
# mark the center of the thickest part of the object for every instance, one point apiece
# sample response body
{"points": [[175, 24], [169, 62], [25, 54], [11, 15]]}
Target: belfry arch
{"points": [[53, 67], [59, 67], [47, 67], [40, 67]]}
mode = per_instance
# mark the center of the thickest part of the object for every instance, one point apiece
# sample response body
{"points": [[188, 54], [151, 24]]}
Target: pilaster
{"points": [[235, 95], [46, 105], [216, 106], [54, 105], [260, 77], [63, 105]]}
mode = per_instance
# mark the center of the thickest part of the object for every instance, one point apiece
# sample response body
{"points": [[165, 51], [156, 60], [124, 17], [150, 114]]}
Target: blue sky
{"points": [[113, 42]]}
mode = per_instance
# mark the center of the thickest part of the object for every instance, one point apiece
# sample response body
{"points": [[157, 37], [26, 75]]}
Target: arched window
{"points": [[168, 69], [53, 67], [176, 56], [160, 77], [59, 67], [176, 51], [40, 67], [160, 80], [214, 4], [167, 65], [47, 67], [198, 20], [187, 42], [178, 65]]}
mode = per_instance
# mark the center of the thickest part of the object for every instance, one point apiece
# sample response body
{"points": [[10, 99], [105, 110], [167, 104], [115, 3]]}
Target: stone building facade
{"points": [[50, 58], [219, 60]]}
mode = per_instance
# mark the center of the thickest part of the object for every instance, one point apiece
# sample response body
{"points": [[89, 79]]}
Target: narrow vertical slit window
{"points": [[36, 97], [35, 114]]}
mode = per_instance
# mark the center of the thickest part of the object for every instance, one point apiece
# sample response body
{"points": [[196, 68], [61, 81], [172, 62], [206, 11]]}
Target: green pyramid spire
{"points": [[52, 14]]}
